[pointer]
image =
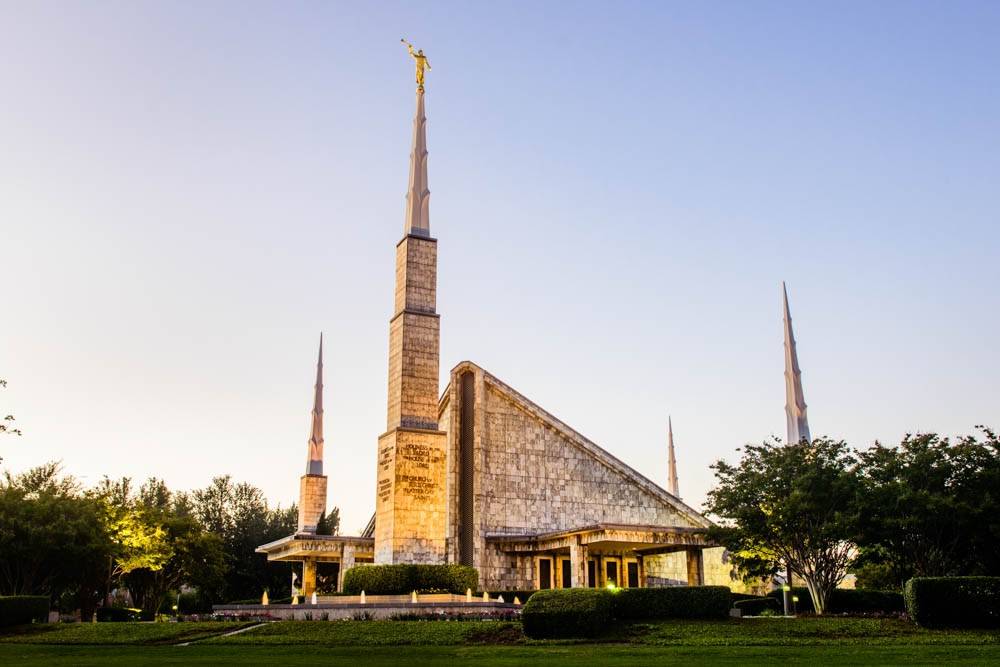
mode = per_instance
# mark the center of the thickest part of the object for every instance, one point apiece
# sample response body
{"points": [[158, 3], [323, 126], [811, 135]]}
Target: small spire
{"points": [[418, 196], [672, 486], [314, 463], [795, 402]]}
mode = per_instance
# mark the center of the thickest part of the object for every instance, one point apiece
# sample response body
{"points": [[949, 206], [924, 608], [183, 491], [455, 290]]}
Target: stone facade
{"points": [[312, 502], [410, 516], [530, 474], [414, 338], [410, 508]]}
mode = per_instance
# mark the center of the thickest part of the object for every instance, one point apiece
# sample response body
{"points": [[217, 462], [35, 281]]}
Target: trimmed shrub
{"points": [[401, 579], [846, 601], [567, 612], [193, 602], [957, 602], [674, 602], [118, 615], [756, 606], [21, 609]]}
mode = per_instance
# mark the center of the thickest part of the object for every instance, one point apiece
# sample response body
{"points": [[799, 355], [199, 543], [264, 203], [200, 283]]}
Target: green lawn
{"points": [[115, 633], [827, 641], [495, 656]]}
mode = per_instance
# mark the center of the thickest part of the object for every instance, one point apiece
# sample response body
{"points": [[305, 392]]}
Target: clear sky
{"points": [[190, 192]]}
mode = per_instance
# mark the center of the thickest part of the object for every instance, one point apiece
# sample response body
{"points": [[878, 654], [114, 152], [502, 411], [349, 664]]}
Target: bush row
{"points": [[675, 602], [586, 612], [21, 609], [400, 579], [756, 606], [567, 612], [847, 601], [959, 602], [122, 615]]}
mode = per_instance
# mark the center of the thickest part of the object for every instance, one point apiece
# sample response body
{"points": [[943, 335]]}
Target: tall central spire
{"points": [[314, 464], [795, 402], [672, 486], [418, 196], [411, 507]]}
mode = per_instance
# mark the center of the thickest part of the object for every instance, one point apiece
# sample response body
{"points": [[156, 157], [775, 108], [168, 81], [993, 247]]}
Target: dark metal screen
{"points": [[466, 470]]}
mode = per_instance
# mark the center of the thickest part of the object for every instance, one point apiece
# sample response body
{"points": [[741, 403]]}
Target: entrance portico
{"points": [[603, 554], [317, 551]]}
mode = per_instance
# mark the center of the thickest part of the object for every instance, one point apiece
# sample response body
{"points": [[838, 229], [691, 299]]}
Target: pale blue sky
{"points": [[190, 192]]}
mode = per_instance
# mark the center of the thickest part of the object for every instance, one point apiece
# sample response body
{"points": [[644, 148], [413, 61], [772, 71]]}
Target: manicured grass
{"points": [[802, 631], [377, 633], [731, 632], [816, 641], [570, 655], [115, 633]]}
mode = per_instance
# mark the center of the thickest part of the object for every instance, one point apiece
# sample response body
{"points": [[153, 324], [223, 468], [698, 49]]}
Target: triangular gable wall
{"points": [[536, 474]]}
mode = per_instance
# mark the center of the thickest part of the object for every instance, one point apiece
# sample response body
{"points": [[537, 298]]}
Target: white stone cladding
{"points": [[533, 474], [312, 502], [410, 506]]}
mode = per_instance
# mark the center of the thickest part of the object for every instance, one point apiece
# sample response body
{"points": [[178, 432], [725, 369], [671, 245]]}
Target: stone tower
{"points": [[672, 486], [312, 486], [795, 402], [410, 505]]}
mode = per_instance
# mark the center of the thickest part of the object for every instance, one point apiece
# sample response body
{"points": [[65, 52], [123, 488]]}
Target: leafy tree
{"points": [[930, 507], [7, 425], [193, 557], [241, 517], [791, 505], [54, 539], [329, 524]]}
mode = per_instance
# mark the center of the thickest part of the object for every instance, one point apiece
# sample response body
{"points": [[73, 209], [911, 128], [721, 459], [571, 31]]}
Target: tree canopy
{"points": [[791, 505]]}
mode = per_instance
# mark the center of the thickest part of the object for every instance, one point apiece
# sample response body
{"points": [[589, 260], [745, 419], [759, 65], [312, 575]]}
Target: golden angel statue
{"points": [[421, 61]]}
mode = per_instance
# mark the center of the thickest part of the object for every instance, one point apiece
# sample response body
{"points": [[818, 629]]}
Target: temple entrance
{"points": [[633, 574], [544, 573], [327, 576]]}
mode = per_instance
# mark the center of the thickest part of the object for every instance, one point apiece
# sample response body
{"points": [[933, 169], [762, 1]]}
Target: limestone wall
{"points": [[410, 519], [533, 474]]}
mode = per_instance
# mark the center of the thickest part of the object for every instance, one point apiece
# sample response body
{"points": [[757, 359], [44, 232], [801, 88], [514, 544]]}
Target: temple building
{"points": [[478, 474]]}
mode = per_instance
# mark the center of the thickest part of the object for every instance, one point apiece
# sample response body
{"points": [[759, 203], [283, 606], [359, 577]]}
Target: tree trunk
{"points": [[819, 595]]}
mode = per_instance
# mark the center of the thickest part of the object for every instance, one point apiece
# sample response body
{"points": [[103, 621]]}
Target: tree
{"points": [[241, 517], [930, 507], [7, 426], [791, 505], [329, 524], [194, 557], [54, 539]]}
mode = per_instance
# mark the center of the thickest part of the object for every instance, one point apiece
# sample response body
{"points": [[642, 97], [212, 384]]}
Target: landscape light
{"points": [[786, 588]]}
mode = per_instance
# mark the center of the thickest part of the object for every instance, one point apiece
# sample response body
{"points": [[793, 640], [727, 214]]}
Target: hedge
{"points": [[567, 612], [672, 602], [22, 609], [846, 601], [118, 615], [958, 602], [755, 606], [400, 579], [193, 602]]}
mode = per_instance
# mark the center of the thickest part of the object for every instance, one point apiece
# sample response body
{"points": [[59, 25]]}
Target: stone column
{"points": [[695, 567], [642, 570], [308, 578], [578, 564], [346, 563]]}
